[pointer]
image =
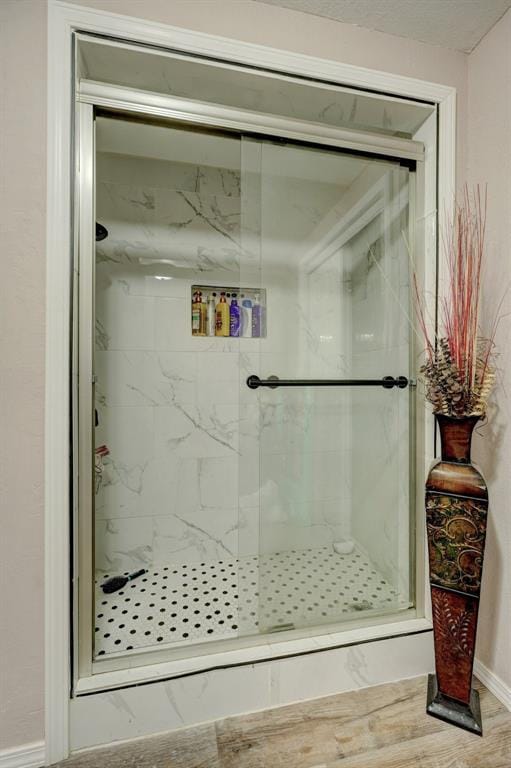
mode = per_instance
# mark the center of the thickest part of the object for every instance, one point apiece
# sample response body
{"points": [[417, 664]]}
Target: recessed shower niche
{"points": [[228, 311], [250, 424]]}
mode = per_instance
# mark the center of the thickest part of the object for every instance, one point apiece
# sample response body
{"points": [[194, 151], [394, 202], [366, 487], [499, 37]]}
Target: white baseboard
{"points": [[494, 684], [26, 756]]}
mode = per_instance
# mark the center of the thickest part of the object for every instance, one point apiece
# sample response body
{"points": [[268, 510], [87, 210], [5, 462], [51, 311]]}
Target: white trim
{"points": [[446, 180], [63, 18], [84, 414], [284, 75], [425, 239], [446, 154], [57, 426], [494, 684], [26, 756], [216, 46]]}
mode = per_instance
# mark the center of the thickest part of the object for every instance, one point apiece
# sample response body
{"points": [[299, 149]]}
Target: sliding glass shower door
{"points": [[167, 385], [325, 423], [250, 413]]}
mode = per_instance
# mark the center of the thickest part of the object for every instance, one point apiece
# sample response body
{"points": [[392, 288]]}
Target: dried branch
{"points": [[458, 371]]}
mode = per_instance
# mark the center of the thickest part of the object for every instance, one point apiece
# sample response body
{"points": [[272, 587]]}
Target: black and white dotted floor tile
{"points": [[198, 602], [312, 587]]}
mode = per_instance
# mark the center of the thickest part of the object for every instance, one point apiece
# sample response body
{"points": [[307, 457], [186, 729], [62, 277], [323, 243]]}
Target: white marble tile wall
{"points": [[201, 467], [168, 403]]}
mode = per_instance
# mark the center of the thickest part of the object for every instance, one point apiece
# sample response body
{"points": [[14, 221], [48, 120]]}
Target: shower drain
{"points": [[364, 605]]}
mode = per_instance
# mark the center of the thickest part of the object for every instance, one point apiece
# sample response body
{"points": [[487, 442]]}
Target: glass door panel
{"points": [[167, 386], [327, 467]]}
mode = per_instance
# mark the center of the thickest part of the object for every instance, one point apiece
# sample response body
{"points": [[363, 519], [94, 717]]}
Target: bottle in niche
{"points": [[257, 318], [263, 318], [196, 313], [234, 315], [203, 317], [246, 318], [222, 316], [211, 318]]}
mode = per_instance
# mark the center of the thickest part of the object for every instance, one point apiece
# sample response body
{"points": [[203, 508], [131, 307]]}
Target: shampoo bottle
{"points": [[222, 317], [196, 313], [211, 314], [257, 318], [246, 318], [234, 315], [203, 317]]}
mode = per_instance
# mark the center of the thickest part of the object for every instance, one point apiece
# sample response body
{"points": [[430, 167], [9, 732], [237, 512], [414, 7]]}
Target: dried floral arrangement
{"points": [[459, 370]]}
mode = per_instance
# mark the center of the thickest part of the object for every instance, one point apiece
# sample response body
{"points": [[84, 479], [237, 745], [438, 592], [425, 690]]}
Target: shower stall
{"points": [[256, 461]]}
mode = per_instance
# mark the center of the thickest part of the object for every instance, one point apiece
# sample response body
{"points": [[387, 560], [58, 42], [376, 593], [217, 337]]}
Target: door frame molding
{"points": [[63, 20]]}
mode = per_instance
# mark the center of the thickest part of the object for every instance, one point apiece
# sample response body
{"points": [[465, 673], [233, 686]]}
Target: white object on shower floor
{"points": [[344, 547]]}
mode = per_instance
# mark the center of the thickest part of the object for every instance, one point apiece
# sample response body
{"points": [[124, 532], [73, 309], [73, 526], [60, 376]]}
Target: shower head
{"points": [[101, 232]]}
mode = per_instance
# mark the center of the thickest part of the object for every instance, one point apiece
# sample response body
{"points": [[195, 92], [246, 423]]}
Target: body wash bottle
{"points": [[196, 313], [211, 314], [222, 317], [257, 318], [246, 318], [234, 316], [203, 317]]}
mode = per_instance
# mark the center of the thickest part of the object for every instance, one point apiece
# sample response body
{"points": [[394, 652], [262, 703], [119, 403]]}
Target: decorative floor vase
{"points": [[456, 512]]}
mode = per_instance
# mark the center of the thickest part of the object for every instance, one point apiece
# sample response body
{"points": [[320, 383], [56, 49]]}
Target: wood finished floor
{"points": [[380, 727]]}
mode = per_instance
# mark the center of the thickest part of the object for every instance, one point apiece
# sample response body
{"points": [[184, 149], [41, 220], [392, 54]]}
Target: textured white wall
{"points": [[22, 268], [22, 276], [489, 161]]}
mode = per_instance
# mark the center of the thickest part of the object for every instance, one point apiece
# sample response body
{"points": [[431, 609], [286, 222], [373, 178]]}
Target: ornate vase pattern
{"points": [[456, 514]]}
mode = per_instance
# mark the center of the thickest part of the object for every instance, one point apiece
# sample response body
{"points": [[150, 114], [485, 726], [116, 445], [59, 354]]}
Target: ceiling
{"points": [[458, 24]]}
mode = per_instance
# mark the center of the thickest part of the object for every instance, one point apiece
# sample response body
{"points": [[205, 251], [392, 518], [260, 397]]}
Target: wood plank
{"points": [[333, 729], [452, 748]]}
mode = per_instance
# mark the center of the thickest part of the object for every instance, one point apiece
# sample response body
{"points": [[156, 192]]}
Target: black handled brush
{"points": [[118, 582]]}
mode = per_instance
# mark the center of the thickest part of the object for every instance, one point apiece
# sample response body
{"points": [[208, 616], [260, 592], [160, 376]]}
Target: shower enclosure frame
{"points": [[64, 21], [127, 102]]}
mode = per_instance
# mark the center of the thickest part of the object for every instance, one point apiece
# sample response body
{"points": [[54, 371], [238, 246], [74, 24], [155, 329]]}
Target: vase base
{"points": [[466, 716]]}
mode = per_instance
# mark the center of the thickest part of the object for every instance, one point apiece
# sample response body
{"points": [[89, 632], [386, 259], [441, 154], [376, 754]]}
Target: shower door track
{"points": [[189, 112], [111, 99]]}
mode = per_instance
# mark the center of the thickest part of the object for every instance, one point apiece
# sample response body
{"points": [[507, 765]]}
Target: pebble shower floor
{"points": [[179, 604]]}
